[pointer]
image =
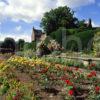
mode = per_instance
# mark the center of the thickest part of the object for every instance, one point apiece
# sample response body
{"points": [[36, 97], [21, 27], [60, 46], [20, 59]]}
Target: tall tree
{"points": [[20, 44], [81, 24], [59, 17], [9, 45]]}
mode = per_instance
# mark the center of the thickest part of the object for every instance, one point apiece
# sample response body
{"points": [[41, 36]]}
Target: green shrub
{"points": [[96, 46], [84, 35], [29, 46]]}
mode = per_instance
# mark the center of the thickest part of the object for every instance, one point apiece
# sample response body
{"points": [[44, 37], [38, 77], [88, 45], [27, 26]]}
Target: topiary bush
{"points": [[85, 35], [96, 44]]}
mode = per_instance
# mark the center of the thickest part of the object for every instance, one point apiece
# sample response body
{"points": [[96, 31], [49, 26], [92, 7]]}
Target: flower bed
{"points": [[46, 80], [73, 63]]}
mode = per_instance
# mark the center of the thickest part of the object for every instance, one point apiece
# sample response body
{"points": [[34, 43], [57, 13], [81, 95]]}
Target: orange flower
{"points": [[44, 70], [58, 66], [65, 68]]}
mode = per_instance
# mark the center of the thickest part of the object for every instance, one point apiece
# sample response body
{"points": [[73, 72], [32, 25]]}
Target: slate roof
{"points": [[37, 32]]}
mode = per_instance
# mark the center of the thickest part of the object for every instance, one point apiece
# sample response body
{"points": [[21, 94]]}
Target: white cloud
{"points": [[75, 3], [18, 28], [2, 7], [25, 36], [95, 25], [30, 10]]}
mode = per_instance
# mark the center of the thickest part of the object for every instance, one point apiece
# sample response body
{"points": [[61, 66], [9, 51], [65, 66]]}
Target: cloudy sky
{"points": [[17, 17]]}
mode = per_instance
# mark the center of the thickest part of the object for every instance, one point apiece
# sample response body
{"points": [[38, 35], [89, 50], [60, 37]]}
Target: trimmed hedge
{"points": [[85, 35]]}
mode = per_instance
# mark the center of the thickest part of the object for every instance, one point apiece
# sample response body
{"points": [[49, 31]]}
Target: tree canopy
{"points": [[59, 17], [9, 45], [20, 44]]}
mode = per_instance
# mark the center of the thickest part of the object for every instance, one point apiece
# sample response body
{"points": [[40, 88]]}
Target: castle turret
{"points": [[89, 23], [33, 35], [36, 34]]}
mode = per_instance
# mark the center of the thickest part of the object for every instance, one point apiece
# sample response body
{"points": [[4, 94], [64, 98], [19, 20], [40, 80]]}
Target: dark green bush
{"points": [[85, 36]]}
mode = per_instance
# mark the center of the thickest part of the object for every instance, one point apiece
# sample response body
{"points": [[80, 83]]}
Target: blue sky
{"points": [[17, 17]]}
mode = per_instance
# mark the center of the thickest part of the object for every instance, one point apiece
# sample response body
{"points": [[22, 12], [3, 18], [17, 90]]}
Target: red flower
{"points": [[68, 82], [70, 69], [76, 68], [44, 70], [71, 92], [63, 77], [92, 65], [97, 89], [65, 68], [89, 75], [80, 71], [93, 73]]}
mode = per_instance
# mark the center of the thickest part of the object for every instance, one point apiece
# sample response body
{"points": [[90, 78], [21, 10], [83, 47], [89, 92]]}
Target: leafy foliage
{"points": [[20, 45], [59, 17], [46, 77], [9, 45], [96, 44], [84, 37]]}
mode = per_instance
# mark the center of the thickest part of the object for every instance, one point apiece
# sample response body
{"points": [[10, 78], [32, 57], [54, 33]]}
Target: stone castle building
{"points": [[89, 24], [36, 34]]}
